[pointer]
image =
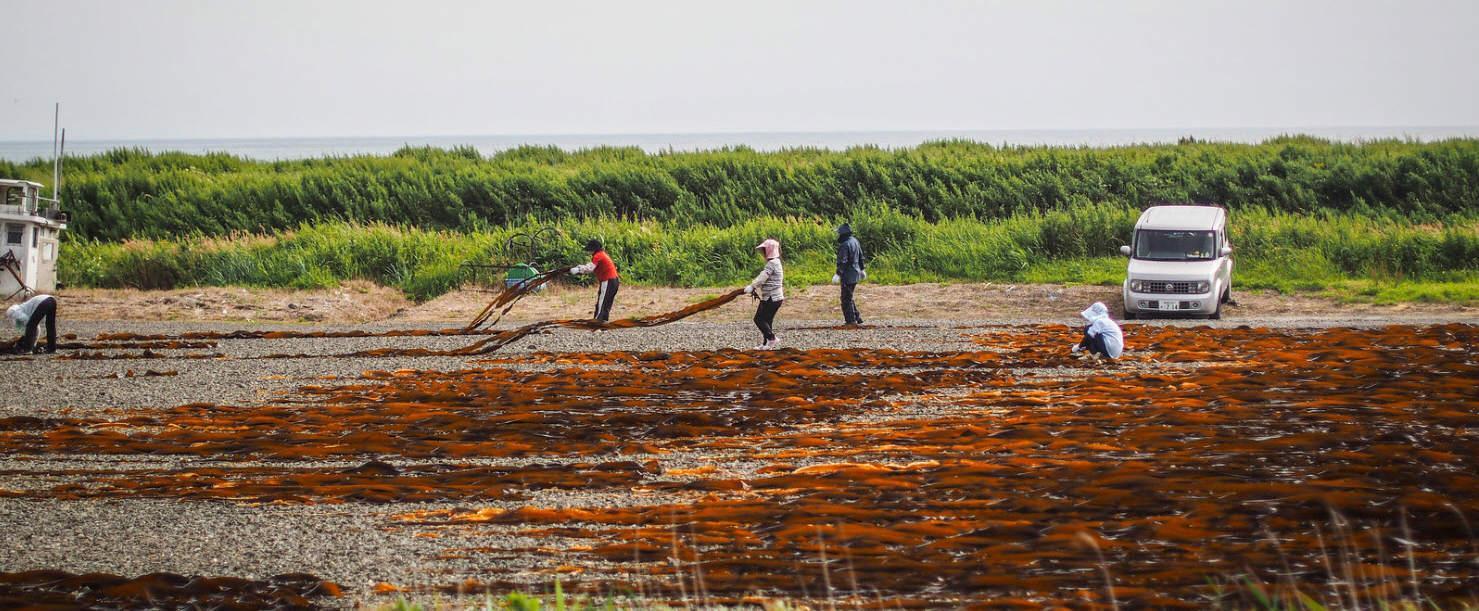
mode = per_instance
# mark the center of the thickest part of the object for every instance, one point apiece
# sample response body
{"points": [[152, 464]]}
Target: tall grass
{"points": [[1356, 572], [1283, 251], [132, 193], [1306, 213]]}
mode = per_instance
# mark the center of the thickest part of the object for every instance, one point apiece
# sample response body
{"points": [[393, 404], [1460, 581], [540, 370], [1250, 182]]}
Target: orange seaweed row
{"points": [[927, 476]]}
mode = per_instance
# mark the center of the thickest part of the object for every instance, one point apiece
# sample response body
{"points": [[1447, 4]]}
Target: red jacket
{"points": [[605, 268]]}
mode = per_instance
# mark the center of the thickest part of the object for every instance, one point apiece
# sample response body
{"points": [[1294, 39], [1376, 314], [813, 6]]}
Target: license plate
{"points": [[1170, 305]]}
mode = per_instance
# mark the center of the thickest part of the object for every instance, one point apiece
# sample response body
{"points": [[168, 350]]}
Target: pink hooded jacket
{"points": [[772, 278], [772, 249]]}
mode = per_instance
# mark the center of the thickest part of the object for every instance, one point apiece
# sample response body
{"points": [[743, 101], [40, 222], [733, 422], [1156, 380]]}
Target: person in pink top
{"points": [[768, 288]]}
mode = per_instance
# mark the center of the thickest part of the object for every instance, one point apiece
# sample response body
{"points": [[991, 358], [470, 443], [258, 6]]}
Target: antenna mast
{"points": [[55, 160], [61, 154]]}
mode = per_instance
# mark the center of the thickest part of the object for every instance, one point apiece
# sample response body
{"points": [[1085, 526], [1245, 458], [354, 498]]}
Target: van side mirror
{"points": [[1125, 250], [1226, 250]]}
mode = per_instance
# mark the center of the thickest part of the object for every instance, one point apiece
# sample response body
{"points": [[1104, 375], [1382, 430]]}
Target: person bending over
{"points": [[28, 316]]}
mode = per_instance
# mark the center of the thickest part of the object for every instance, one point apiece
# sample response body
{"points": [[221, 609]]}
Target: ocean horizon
{"points": [[288, 148]]}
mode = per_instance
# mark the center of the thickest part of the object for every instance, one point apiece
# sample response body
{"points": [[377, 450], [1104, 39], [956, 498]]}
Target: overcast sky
{"points": [[306, 68]]}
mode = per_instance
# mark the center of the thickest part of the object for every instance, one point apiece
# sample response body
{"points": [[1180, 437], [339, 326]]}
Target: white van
{"points": [[1180, 263]]}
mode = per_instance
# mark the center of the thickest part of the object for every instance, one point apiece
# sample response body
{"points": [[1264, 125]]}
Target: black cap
{"points": [[593, 246]]}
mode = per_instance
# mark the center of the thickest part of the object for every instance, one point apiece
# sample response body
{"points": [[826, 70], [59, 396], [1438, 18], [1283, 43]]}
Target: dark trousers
{"points": [[605, 296], [765, 317], [1093, 345], [46, 309], [850, 307]]}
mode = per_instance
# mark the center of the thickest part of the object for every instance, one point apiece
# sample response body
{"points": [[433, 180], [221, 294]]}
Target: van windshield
{"points": [[1175, 245]]}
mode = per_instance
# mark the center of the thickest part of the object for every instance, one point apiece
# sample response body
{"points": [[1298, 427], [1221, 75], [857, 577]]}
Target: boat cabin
{"points": [[30, 228]]}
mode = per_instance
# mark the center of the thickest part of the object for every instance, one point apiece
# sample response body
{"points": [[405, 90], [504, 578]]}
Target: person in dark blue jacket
{"points": [[851, 269]]}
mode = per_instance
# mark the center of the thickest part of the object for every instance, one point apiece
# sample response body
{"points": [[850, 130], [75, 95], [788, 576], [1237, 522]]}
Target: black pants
{"points": [[765, 316], [850, 307], [1093, 345], [46, 309], [605, 296]]}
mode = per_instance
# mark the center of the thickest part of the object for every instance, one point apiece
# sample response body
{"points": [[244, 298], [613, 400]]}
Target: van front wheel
{"points": [[1127, 315]]}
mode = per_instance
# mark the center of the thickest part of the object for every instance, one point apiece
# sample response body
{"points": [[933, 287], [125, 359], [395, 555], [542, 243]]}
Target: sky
{"points": [[163, 69]]}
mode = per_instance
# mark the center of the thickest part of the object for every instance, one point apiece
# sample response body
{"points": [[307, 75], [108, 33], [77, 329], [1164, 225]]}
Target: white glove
{"points": [[836, 278], [749, 289], [583, 269], [864, 275], [1074, 349]]}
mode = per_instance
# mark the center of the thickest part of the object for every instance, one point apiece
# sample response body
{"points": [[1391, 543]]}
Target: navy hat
{"points": [[593, 246]]}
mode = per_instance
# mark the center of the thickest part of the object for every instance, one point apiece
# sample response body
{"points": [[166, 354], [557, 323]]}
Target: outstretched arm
{"points": [[759, 280]]}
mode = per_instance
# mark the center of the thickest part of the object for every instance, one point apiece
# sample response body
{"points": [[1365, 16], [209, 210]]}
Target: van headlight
{"points": [[1136, 285], [1204, 286]]}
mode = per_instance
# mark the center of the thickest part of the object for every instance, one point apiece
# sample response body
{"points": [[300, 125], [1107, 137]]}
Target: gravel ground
{"points": [[85, 386], [353, 545]]}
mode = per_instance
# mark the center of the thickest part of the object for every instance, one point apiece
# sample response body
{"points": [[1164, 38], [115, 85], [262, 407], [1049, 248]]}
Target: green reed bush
{"points": [[1456, 288], [132, 193], [1276, 250], [1327, 245]]}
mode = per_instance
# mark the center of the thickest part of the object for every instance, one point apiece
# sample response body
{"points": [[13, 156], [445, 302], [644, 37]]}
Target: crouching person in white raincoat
{"points": [[1102, 336], [28, 317]]}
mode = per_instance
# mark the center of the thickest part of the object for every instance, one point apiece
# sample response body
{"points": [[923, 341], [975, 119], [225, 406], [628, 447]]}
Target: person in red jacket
{"points": [[606, 278]]}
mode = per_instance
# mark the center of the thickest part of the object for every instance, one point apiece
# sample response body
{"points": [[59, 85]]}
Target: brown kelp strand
{"points": [[505, 338], [138, 345], [63, 591], [1341, 461], [146, 354], [154, 345], [510, 296], [223, 335], [498, 340], [148, 373]]}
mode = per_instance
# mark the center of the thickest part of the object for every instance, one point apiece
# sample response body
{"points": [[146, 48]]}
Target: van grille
{"points": [[1170, 288]]}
